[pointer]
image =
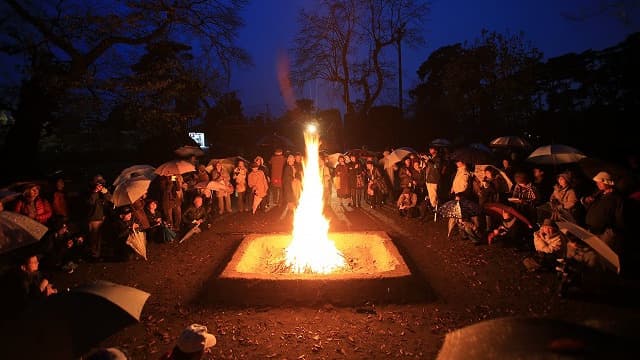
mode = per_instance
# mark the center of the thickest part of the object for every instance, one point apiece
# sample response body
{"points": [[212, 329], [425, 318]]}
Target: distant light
{"points": [[312, 128]]}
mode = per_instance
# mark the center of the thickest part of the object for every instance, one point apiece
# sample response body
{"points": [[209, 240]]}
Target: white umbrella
{"points": [[479, 173], [212, 185], [593, 241], [398, 154], [555, 154], [135, 171], [175, 167], [130, 191]]}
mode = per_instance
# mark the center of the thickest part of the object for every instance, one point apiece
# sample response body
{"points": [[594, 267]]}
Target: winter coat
{"points": [[258, 183], [40, 211], [277, 163]]}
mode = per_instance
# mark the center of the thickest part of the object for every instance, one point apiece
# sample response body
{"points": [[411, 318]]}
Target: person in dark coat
{"points": [[605, 211], [123, 226], [99, 202], [195, 215]]}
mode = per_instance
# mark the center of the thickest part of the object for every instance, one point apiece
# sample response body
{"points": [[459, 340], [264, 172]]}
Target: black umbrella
{"points": [[68, 324], [533, 338]]}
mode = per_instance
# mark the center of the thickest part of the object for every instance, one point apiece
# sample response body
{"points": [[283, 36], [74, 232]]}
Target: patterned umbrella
{"points": [[459, 209], [17, 230], [555, 154]]}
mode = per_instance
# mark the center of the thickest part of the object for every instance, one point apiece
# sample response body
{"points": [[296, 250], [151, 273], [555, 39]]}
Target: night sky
{"points": [[271, 26]]}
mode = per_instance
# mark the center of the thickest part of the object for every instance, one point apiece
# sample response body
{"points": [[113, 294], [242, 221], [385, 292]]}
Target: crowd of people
{"points": [[513, 204]]}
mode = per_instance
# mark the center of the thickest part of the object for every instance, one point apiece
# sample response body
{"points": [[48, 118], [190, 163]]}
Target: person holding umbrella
{"points": [[99, 202]]}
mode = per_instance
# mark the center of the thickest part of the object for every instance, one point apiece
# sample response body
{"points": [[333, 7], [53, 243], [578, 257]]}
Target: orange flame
{"points": [[311, 250]]}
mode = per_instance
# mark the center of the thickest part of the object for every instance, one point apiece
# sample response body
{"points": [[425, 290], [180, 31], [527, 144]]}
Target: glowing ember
{"points": [[311, 250]]}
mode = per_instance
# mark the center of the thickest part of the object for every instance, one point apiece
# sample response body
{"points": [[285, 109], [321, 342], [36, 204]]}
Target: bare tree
{"points": [[78, 39], [325, 44], [347, 42]]}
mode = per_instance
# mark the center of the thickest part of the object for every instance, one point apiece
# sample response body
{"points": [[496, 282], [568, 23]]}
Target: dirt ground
{"points": [[463, 284]]}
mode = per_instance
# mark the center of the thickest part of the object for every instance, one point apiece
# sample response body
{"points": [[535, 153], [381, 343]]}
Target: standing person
{"points": [[221, 176], [172, 196], [357, 182], [376, 185], [240, 177], [99, 203], [325, 175], [258, 184], [288, 192], [59, 203], [341, 179], [433, 175], [264, 204], [277, 163], [31, 204]]}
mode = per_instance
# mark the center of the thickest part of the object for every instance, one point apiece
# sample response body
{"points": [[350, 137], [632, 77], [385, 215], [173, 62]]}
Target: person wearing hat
{"points": [[193, 342], [605, 210], [98, 204], [31, 204], [549, 243]]}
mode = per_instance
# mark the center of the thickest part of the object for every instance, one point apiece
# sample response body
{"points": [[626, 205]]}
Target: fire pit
{"points": [[374, 271], [368, 255]]}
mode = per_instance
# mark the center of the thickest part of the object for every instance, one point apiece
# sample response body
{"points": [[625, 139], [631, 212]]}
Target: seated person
{"points": [[123, 226], [62, 249], [510, 231], [407, 202], [33, 286], [549, 243], [195, 215]]}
